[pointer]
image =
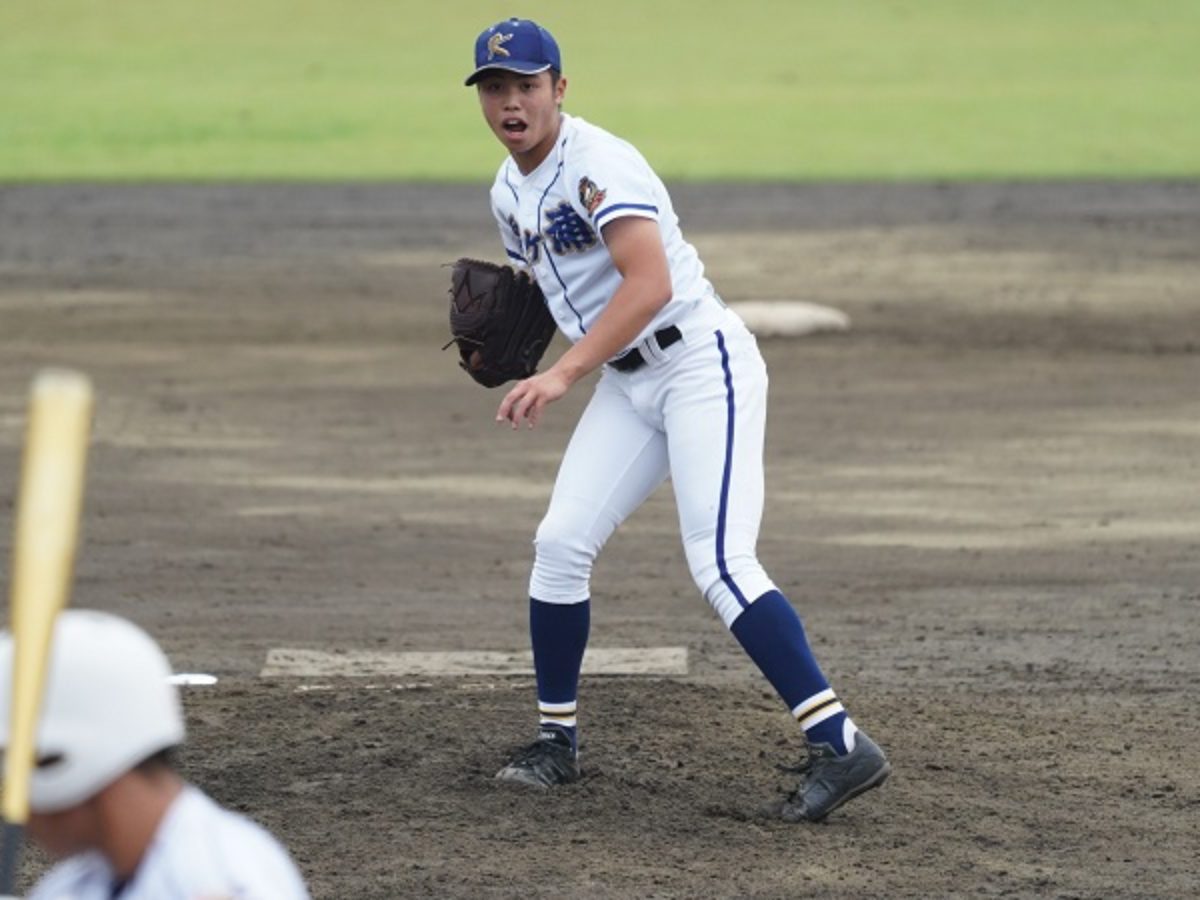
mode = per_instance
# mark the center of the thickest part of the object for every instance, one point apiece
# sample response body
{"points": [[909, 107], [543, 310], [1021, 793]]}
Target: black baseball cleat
{"points": [[546, 762], [830, 780]]}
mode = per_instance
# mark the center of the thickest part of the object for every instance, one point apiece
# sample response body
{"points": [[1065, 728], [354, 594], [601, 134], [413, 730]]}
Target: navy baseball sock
{"points": [[559, 632], [771, 633]]}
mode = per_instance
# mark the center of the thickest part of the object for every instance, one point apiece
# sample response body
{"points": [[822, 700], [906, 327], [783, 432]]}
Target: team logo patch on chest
{"points": [[590, 196], [567, 231]]}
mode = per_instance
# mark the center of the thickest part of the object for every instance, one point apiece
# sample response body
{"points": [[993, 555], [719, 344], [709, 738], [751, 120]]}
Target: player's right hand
{"points": [[528, 398]]}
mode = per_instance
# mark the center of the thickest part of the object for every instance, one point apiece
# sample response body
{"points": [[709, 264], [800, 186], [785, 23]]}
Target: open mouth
{"points": [[514, 127]]}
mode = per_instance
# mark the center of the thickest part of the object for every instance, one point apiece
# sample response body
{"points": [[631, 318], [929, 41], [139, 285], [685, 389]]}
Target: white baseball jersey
{"points": [[551, 220], [201, 851], [695, 411]]}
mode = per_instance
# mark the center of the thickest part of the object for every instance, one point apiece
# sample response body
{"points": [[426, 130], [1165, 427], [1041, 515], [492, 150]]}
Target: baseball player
{"points": [[683, 393], [105, 800]]}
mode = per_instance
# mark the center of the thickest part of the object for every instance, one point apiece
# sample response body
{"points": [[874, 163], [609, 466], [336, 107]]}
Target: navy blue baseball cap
{"points": [[516, 45]]}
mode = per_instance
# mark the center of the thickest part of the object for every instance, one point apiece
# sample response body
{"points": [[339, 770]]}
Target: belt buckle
{"points": [[647, 351], [629, 361], [654, 352]]}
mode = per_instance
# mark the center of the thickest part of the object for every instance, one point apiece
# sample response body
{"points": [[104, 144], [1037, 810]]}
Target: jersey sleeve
{"points": [[203, 850], [611, 181]]}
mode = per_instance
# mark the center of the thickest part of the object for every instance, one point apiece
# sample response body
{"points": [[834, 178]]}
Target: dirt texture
{"points": [[984, 499]]}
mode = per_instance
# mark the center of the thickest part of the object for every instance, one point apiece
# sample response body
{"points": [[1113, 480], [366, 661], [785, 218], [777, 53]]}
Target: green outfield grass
{"points": [[366, 89]]}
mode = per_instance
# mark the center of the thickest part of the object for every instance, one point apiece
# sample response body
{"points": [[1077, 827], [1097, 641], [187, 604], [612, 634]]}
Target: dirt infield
{"points": [[984, 499]]}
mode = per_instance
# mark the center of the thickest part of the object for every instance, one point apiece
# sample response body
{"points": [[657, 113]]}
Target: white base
{"points": [[789, 318]]}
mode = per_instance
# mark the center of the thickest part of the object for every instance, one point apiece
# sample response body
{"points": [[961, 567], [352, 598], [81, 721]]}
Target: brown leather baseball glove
{"points": [[499, 320]]}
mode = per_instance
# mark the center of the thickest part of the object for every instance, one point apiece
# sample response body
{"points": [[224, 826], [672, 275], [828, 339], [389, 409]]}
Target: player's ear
{"points": [[560, 88]]}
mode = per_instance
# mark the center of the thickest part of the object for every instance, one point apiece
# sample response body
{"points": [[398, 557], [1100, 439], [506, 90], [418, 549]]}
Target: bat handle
{"points": [[12, 837]]}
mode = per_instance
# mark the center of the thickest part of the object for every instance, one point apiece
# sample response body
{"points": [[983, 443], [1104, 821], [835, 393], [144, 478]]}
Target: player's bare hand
{"points": [[528, 398]]}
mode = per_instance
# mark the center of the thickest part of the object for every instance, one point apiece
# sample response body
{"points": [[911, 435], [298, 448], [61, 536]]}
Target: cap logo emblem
{"points": [[496, 44]]}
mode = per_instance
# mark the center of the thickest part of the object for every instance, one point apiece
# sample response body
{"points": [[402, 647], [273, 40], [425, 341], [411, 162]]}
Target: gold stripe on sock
{"points": [[808, 714]]}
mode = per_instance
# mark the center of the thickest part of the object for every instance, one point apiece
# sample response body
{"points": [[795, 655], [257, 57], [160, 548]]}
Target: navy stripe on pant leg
{"points": [[731, 409]]}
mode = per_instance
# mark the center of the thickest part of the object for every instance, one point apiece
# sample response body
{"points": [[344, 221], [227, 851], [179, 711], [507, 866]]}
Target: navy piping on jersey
{"points": [[549, 255], [610, 209], [516, 198], [722, 566]]}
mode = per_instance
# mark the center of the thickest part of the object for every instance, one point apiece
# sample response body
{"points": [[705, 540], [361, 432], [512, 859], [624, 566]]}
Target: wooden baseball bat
{"points": [[46, 535]]}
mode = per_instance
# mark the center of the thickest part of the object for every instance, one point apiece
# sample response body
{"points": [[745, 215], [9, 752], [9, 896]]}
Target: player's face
{"points": [[523, 113]]}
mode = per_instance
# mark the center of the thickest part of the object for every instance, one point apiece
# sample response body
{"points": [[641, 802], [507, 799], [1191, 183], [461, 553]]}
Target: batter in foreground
{"points": [[683, 393], [106, 800]]}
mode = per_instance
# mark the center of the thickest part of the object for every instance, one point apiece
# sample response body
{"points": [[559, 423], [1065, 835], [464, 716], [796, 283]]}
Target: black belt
{"points": [[632, 360]]}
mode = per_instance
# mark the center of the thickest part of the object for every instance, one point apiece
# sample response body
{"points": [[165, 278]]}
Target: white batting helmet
{"points": [[107, 706]]}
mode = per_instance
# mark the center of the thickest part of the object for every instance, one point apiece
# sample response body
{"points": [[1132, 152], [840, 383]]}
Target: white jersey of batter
{"points": [[551, 220], [201, 851], [694, 411]]}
